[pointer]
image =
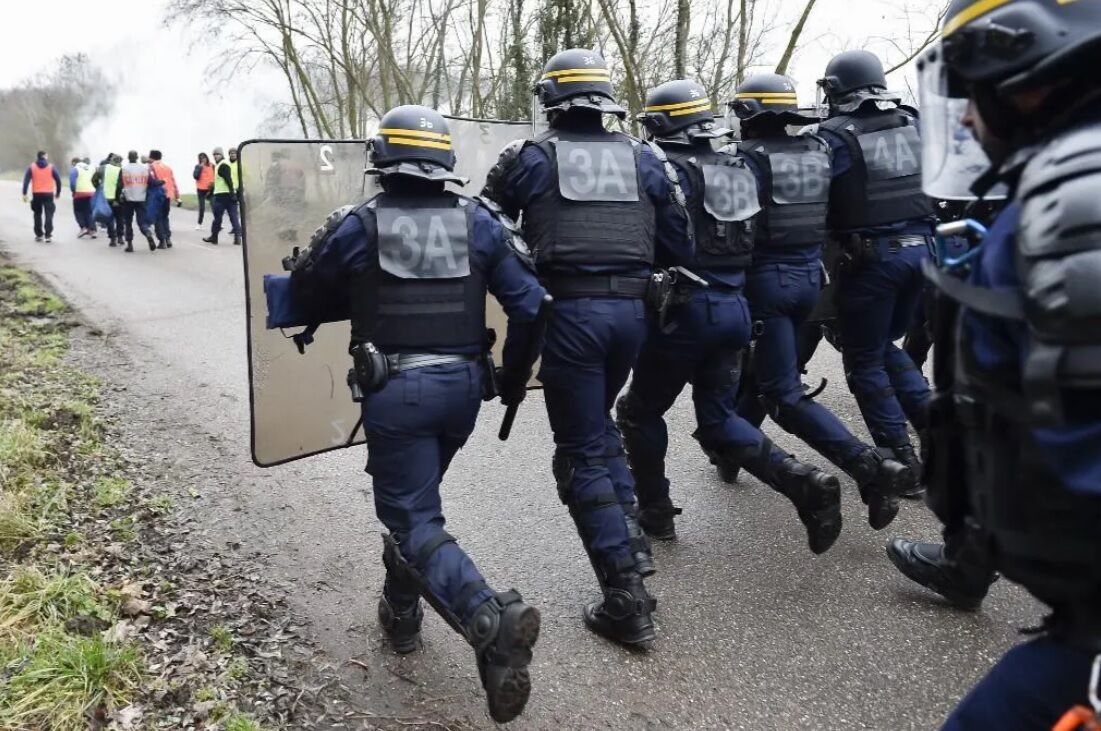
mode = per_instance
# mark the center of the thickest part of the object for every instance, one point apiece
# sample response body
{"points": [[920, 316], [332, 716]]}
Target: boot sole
{"points": [[827, 518], [960, 601], [512, 685]]}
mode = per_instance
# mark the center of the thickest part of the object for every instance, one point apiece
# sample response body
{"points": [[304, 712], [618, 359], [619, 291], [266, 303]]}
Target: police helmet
{"points": [[850, 71], [768, 97], [577, 77], [1018, 44], [680, 107], [413, 140]]}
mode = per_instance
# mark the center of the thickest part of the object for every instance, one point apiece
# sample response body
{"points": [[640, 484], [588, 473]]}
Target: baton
{"points": [[535, 345]]}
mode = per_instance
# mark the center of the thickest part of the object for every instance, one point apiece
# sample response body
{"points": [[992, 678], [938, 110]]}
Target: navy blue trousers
{"points": [[704, 349], [875, 304], [781, 297], [591, 346], [220, 205], [414, 426], [1029, 689]]}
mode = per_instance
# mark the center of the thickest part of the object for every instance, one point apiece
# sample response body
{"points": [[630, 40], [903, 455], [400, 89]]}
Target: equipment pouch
{"points": [[659, 292], [371, 368]]}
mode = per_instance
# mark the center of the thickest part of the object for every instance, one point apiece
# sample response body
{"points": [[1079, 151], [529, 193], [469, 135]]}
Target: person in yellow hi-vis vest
{"points": [[227, 181], [106, 177]]}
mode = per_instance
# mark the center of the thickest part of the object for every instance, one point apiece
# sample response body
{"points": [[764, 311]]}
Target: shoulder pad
{"points": [[331, 224], [1058, 194], [514, 236], [497, 177]]}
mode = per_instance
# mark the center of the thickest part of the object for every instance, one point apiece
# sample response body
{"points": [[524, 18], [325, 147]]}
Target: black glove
{"points": [[514, 386]]}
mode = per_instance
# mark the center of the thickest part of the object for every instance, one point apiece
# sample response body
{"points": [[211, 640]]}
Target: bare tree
{"points": [[48, 111]]}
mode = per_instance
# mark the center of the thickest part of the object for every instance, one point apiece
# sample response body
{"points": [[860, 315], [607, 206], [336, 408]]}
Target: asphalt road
{"points": [[754, 631]]}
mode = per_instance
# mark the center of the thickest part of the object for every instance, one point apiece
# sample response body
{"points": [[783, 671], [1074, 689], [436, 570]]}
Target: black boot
{"points": [[880, 480], [236, 239], [212, 239], [162, 245], [149, 240], [640, 546], [129, 247], [655, 511], [624, 615], [112, 243], [926, 564], [656, 519], [401, 627], [728, 470], [905, 454], [816, 496], [168, 242], [502, 632]]}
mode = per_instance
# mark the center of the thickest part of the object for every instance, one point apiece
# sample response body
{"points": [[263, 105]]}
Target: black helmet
{"points": [[413, 140], [768, 96], [680, 106], [577, 77], [1016, 44], [852, 70]]}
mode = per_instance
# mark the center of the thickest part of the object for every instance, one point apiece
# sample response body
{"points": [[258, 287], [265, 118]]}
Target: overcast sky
{"points": [[167, 100]]}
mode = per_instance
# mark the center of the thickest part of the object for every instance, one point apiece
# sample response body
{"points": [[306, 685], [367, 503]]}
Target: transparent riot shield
{"points": [[301, 404]]}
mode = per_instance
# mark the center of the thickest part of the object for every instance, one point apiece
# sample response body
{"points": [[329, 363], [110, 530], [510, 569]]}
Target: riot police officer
{"points": [[784, 282], [413, 265], [594, 204], [883, 221], [1017, 410], [702, 344]]}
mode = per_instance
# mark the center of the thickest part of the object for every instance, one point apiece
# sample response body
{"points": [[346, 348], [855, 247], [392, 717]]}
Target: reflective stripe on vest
{"points": [[111, 181], [42, 179], [84, 179], [135, 181]]}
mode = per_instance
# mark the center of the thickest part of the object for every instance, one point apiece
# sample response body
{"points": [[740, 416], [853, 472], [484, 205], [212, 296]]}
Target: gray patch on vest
{"points": [[423, 243], [597, 171], [800, 178], [891, 153], [730, 192]]}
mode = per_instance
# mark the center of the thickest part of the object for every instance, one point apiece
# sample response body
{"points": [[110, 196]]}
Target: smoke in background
{"points": [[49, 111]]}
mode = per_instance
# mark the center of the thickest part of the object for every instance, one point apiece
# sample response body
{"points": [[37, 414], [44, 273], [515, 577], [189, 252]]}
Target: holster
{"points": [[370, 371], [669, 288], [491, 386]]}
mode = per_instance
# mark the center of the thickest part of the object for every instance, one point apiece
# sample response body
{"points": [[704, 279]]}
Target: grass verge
{"points": [[89, 632]]}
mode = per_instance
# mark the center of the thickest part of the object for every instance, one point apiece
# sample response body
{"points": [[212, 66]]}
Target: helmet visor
{"points": [[951, 158]]}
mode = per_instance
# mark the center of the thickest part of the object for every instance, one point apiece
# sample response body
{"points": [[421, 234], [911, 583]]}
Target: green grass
{"points": [[23, 450], [30, 598], [62, 678], [222, 638], [31, 300], [111, 491], [160, 505], [16, 523], [241, 722], [190, 201]]}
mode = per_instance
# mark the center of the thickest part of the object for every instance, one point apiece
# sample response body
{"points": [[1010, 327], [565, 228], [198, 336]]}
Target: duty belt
{"points": [[408, 361], [597, 285], [878, 247]]}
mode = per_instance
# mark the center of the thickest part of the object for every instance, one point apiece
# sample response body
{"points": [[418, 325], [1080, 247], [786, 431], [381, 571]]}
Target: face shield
{"points": [[952, 159]]}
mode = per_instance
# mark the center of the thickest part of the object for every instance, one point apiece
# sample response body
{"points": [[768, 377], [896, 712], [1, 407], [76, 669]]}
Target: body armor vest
{"points": [[596, 212], [796, 176], [1045, 535], [884, 183], [427, 293], [722, 206]]}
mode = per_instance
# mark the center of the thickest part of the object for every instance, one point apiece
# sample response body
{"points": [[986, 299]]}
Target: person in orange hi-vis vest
{"points": [[44, 182], [204, 185]]}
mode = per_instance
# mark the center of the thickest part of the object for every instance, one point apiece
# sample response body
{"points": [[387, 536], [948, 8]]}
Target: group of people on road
{"points": [[663, 256], [139, 192]]}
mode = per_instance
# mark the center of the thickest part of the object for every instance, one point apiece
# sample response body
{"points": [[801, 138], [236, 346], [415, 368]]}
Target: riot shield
{"points": [[300, 402]]}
